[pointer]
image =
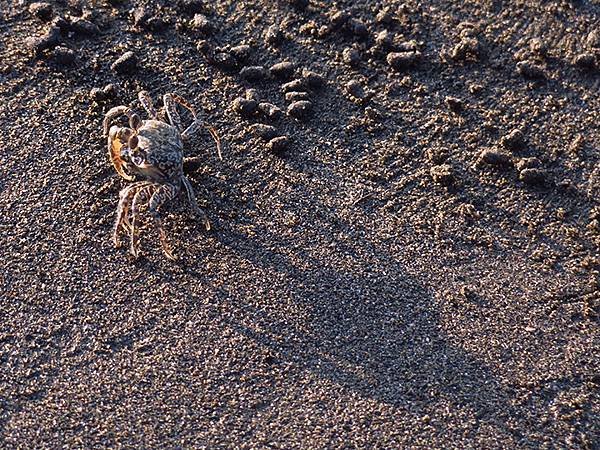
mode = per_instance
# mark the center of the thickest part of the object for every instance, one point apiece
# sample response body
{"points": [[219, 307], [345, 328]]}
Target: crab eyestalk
{"points": [[135, 122]]}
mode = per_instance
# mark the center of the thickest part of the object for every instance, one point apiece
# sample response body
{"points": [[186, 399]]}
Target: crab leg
{"points": [[142, 194], [171, 110], [189, 190], [216, 138], [193, 129], [161, 195], [148, 105], [122, 211], [170, 101], [126, 195], [183, 102]]}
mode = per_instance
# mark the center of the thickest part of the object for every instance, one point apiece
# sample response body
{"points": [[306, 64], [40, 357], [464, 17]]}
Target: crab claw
{"points": [[114, 152]]}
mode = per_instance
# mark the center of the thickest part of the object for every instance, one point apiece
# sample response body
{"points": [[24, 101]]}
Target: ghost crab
{"points": [[152, 152]]}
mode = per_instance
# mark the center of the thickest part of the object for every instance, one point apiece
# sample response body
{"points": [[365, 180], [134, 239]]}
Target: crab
{"points": [[150, 154]]}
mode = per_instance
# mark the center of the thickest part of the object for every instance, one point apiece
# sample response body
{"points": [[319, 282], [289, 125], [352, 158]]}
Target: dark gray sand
{"points": [[412, 263]]}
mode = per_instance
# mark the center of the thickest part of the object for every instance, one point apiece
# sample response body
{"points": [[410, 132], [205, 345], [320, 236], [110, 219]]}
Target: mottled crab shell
{"points": [[162, 147]]}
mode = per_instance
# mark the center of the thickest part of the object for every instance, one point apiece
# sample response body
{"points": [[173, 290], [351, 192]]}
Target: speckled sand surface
{"points": [[409, 272]]}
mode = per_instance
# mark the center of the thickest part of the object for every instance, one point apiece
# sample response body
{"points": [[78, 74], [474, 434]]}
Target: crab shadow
{"points": [[368, 327]]}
